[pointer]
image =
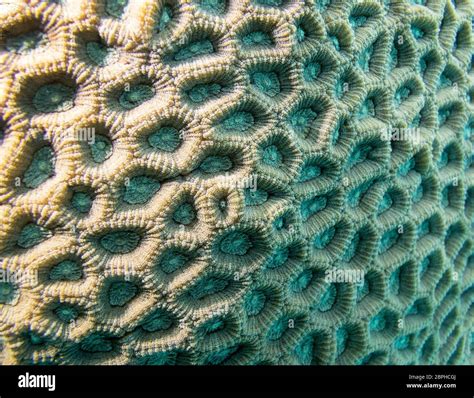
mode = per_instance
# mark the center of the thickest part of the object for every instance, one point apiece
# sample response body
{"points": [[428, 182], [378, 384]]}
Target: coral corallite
{"points": [[236, 182]]}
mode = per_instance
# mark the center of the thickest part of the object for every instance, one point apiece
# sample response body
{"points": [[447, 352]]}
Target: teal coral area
{"points": [[268, 181]]}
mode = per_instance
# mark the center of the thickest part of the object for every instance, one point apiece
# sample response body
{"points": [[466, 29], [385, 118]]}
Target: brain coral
{"points": [[236, 181]]}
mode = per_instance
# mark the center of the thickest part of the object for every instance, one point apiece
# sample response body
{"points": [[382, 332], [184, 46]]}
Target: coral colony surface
{"points": [[236, 181]]}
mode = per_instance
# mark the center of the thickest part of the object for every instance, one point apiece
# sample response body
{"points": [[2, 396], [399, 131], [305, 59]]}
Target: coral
{"points": [[236, 182]]}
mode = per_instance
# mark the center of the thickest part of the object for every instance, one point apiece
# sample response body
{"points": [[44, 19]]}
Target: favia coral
{"points": [[236, 182]]}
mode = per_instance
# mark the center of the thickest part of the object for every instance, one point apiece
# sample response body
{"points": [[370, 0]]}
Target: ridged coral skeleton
{"points": [[127, 128]]}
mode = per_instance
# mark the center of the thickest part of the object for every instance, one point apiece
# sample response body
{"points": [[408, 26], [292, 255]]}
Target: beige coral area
{"points": [[178, 179]]}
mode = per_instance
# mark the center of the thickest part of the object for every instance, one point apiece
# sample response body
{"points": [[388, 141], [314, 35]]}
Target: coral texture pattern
{"points": [[236, 182]]}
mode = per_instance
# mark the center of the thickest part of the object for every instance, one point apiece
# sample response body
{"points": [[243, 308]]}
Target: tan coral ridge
{"points": [[128, 128]]}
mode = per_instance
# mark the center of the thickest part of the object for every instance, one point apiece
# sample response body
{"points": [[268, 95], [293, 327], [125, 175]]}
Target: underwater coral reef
{"points": [[236, 182]]}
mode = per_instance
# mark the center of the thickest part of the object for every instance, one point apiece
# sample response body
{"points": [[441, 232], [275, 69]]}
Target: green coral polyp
{"points": [[424, 266], [279, 258], [255, 302], [164, 19], [272, 156], [365, 58], [99, 53], [221, 356], [81, 202], [402, 94], [54, 97], [301, 120], [158, 320], [257, 38], [406, 167], [445, 197], [213, 6], [240, 121], [34, 338], [173, 260], [215, 164], [120, 242], [324, 239], [386, 203], [312, 206], [419, 307], [301, 34], [310, 172], [66, 270], [203, 92], [328, 299], [311, 71], [367, 109], [342, 338], [95, 343], [7, 292], [402, 342], [66, 312], [121, 292], [423, 65], [269, 3], [357, 21], [101, 149], [40, 169], [236, 243], [423, 229], [278, 329], [444, 115], [352, 249], [356, 195], [185, 214], [25, 42], [166, 139], [212, 326], [279, 223], [140, 189], [31, 235], [378, 322], [150, 247], [363, 290], [255, 197], [394, 281], [195, 49], [323, 5], [208, 287], [159, 359], [115, 8], [136, 95], [304, 351], [447, 156], [334, 40], [394, 60], [302, 281], [268, 83], [389, 239], [417, 32]]}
